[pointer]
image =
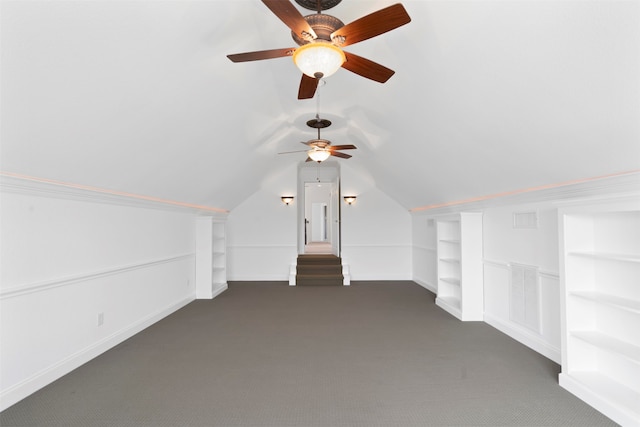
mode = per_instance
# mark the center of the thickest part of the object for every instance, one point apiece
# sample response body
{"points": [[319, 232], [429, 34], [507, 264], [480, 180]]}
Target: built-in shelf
{"points": [[219, 261], [451, 280], [211, 257], [600, 267], [607, 343], [608, 256], [603, 298], [459, 265]]}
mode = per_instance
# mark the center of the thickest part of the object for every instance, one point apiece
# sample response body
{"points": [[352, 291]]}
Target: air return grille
{"points": [[525, 219]]}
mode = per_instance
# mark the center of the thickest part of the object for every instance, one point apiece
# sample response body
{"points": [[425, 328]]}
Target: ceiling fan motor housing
{"points": [[315, 4], [323, 25], [319, 143]]}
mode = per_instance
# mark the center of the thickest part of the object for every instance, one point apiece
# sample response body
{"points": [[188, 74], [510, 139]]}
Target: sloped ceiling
{"points": [[488, 96]]}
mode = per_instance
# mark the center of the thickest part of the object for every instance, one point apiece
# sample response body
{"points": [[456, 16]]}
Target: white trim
{"points": [[575, 191], [29, 288], [549, 275], [262, 246], [505, 266], [27, 185], [260, 278], [525, 337], [46, 376], [293, 270], [346, 275], [619, 413], [424, 248], [373, 245], [220, 288], [498, 264], [428, 286]]}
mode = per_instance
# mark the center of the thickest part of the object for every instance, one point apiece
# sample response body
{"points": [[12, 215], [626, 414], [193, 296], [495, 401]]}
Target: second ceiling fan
{"points": [[322, 32], [321, 149]]}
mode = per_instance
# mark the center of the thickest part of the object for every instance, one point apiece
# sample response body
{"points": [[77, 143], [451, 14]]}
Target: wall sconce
{"points": [[287, 200], [349, 199]]}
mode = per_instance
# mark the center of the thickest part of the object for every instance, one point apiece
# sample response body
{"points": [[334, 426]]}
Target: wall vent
{"points": [[431, 222], [524, 296], [525, 219]]}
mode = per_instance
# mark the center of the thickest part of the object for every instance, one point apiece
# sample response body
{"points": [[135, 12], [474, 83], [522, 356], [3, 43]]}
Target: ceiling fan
{"points": [[321, 149], [321, 38]]}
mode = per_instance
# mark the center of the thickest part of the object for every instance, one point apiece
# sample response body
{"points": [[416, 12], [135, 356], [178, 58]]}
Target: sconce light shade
{"points": [[318, 59], [350, 199], [287, 200], [318, 155]]}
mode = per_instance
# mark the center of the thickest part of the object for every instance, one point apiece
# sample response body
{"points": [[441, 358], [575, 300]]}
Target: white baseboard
{"points": [[426, 285], [598, 394], [48, 375], [259, 278], [220, 289], [529, 339]]}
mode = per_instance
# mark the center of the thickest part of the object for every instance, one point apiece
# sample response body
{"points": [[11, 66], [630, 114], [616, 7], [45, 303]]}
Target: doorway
{"points": [[319, 212], [317, 198]]}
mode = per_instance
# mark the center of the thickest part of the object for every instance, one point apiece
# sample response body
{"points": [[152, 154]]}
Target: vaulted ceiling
{"points": [[488, 97]]}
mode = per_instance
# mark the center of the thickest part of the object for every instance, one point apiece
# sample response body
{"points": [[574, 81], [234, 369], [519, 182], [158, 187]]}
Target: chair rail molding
{"points": [[28, 288]]}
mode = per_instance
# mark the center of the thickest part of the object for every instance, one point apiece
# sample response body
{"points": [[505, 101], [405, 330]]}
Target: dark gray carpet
{"points": [[266, 354]]}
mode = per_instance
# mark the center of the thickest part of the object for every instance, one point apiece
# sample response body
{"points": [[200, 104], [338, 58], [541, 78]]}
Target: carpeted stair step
{"points": [[318, 280], [322, 259], [319, 270]]}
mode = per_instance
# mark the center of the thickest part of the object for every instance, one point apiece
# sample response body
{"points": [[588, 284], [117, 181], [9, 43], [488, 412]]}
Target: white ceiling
{"points": [[488, 96]]}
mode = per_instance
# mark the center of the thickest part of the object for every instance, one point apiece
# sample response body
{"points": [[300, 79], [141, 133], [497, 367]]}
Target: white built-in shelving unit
{"points": [[600, 281], [211, 257], [219, 253], [459, 253]]}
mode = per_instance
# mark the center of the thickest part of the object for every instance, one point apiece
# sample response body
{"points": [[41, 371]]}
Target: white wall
{"points": [[424, 254], [537, 247], [261, 232], [376, 231], [67, 262]]}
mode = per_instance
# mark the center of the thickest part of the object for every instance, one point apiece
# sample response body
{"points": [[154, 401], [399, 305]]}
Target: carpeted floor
{"points": [[266, 354]]}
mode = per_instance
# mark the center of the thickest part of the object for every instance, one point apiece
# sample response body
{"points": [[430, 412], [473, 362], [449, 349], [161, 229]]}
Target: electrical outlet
{"points": [[100, 319]]}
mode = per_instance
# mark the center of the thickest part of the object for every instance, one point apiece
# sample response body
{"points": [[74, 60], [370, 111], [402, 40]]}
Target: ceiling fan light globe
{"points": [[318, 58], [318, 155]]}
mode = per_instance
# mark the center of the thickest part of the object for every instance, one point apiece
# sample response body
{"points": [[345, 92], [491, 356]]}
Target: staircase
{"points": [[319, 270]]}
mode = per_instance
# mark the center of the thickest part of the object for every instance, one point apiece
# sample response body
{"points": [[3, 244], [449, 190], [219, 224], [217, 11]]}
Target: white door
{"points": [[318, 222]]}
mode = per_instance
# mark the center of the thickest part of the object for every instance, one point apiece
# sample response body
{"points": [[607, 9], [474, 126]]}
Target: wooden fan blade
{"points": [[306, 142], [308, 86], [339, 154], [342, 147], [367, 68], [297, 151], [261, 54], [372, 25], [291, 17], [309, 159]]}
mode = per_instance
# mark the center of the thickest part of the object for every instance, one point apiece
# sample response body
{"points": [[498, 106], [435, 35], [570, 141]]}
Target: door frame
{"points": [[325, 172]]}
